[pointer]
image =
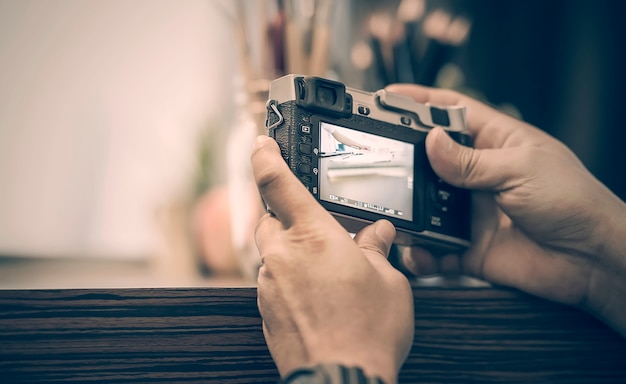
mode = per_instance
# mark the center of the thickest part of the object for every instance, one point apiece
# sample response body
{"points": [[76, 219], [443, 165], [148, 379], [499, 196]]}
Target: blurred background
{"points": [[125, 127]]}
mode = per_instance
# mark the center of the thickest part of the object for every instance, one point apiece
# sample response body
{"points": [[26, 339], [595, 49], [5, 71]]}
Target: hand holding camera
{"points": [[324, 297], [541, 222]]}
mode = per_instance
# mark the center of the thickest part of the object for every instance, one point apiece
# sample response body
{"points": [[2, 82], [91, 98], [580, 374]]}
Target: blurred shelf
{"points": [[81, 273]]}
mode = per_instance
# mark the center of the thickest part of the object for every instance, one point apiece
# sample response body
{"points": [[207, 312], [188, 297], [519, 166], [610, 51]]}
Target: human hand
{"points": [[324, 297], [541, 222]]}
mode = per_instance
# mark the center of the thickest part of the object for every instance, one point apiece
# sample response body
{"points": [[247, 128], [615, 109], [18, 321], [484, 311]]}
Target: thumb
{"points": [[375, 240], [467, 167]]}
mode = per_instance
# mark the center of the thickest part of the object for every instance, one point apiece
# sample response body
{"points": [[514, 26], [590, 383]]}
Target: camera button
{"points": [[363, 110], [405, 120], [306, 129], [304, 149], [304, 168], [443, 197]]}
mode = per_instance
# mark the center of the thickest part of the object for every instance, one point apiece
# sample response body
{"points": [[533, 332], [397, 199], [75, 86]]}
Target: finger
{"points": [[267, 232], [478, 113], [487, 218], [375, 240], [419, 261], [450, 264], [286, 196], [466, 167], [488, 127], [423, 94]]}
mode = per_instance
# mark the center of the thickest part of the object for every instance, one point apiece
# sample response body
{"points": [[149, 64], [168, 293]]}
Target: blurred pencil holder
{"points": [[365, 44], [272, 37]]}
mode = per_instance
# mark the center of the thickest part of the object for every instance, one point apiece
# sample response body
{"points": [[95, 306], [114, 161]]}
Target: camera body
{"points": [[362, 155]]}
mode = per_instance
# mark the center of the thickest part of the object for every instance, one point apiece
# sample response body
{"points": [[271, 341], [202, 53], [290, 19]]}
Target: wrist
{"points": [[614, 249], [330, 374], [380, 363], [606, 299], [606, 296]]}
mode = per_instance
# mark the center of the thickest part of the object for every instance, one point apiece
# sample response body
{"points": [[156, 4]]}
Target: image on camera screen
{"points": [[365, 171]]}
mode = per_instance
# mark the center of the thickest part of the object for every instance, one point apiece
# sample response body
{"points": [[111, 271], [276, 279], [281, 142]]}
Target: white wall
{"points": [[100, 103]]}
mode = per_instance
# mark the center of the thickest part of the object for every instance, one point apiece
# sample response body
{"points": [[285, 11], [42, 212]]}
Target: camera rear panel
{"points": [[362, 185]]}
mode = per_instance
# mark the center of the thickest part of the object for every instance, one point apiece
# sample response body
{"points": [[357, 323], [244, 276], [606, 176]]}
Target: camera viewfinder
{"points": [[324, 96]]}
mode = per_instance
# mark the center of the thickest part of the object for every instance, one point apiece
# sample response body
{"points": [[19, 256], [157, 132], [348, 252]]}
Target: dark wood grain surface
{"points": [[196, 335]]}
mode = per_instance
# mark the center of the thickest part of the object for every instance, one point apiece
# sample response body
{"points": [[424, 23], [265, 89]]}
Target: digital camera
{"points": [[362, 155]]}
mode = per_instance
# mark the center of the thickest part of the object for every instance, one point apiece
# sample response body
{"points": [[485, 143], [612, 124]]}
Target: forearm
{"points": [[607, 286]]}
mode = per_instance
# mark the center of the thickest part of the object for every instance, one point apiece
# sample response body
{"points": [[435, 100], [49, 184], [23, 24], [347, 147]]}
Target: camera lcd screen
{"points": [[365, 171]]}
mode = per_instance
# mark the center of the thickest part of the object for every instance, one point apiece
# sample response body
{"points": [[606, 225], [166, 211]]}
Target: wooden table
{"points": [[195, 335]]}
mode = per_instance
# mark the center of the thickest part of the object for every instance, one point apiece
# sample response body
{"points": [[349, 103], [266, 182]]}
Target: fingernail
{"points": [[261, 139], [408, 262], [385, 231]]}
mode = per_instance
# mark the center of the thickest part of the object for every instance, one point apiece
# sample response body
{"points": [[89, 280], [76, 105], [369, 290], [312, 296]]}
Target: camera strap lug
{"points": [[271, 107]]}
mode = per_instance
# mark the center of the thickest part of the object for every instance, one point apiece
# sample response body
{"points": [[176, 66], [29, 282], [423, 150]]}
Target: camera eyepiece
{"points": [[324, 96]]}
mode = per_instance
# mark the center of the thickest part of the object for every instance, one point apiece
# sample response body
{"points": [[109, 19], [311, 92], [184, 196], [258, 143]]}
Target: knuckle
{"points": [[316, 243], [265, 274], [373, 247], [266, 169], [398, 280], [267, 178], [263, 221], [469, 160]]}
